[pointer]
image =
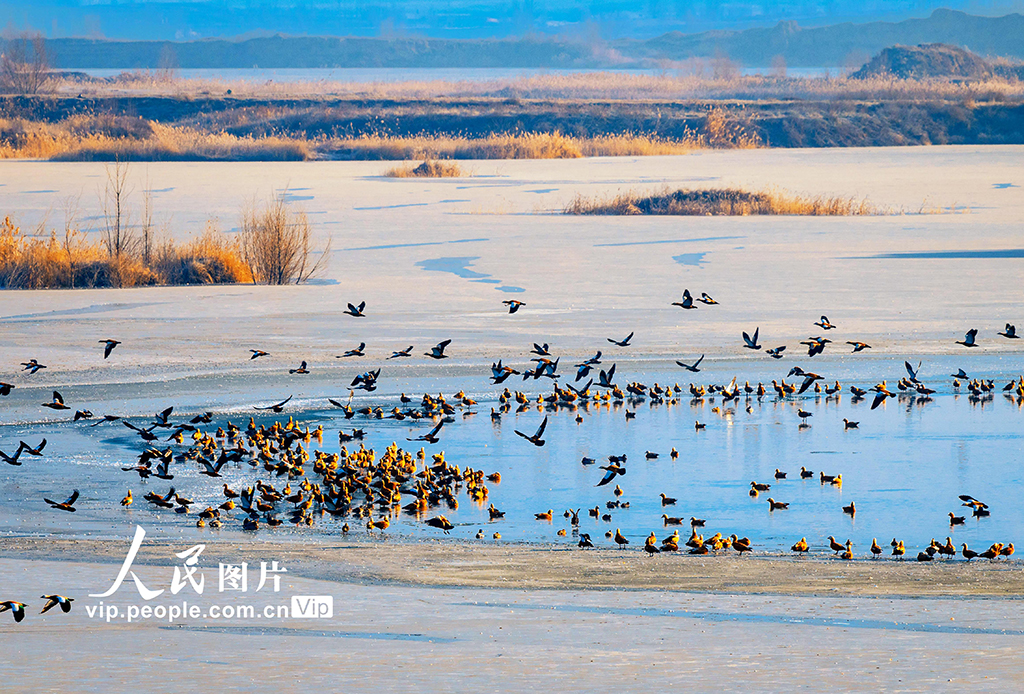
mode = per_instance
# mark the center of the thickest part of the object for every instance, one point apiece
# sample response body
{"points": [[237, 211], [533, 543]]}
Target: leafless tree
{"points": [[24, 68], [277, 244], [146, 226], [118, 236]]}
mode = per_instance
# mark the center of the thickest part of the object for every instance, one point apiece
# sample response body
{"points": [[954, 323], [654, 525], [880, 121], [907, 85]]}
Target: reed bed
{"points": [[718, 202], [109, 138], [695, 79], [51, 262]]}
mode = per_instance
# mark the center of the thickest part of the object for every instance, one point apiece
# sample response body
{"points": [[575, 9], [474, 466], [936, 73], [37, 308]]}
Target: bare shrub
{"points": [[277, 245], [23, 65]]}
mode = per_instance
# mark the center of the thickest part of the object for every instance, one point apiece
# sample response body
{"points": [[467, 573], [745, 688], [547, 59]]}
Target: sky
{"points": [[607, 19]]}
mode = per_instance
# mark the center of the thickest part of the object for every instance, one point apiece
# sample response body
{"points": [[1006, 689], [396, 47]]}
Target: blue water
{"points": [[904, 467]]}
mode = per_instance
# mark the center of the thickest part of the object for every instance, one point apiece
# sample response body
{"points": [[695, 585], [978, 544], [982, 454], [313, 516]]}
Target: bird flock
{"points": [[303, 482]]}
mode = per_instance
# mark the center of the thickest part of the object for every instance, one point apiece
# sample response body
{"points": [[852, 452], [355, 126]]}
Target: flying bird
{"points": [[969, 338], [407, 352], [622, 343], [257, 353], [110, 345], [356, 311], [1010, 331], [301, 370], [692, 368], [825, 324], [687, 301], [536, 439], [57, 403], [859, 346], [357, 352], [54, 600], [751, 343], [437, 351], [5, 388], [513, 305], [66, 505], [17, 609], [32, 366], [278, 408], [776, 353], [431, 436], [705, 299]]}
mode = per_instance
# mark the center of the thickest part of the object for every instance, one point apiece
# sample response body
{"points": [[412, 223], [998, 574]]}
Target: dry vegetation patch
{"points": [[430, 168], [718, 202]]}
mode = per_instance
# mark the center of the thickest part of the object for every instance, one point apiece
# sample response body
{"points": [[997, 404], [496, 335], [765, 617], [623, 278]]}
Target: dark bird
{"points": [[32, 366], [911, 371], [858, 346], [751, 343], [605, 378], [5, 388], [847, 424], [37, 451], [687, 301], [437, 352], [1010, 331], [17, 609], [257, 353], [776, 353], [357, 352], [278, 407], [825, 324], [585, 540], [11, 459], [407, 352], [705, 299], [513, 305], [110, 345], [430, 436], [536, 439], [969, 338], [693, 368], [301, 370], [67, 505], [542, 350], [956, 520], [357, 311], [959, 374], [57, 403], [623, 342], [611, 472], [54, 600], [804, 414], [83, 414]]}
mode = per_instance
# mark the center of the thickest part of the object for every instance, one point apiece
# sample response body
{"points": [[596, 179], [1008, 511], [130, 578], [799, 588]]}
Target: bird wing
{"points": [[628, 338], [522, 434], [805, 385], [699, 361], [58, 398], [165, 414], [283, 402], [71, 499], [756, 331], [362, 305], [433, 432], [541, 428], [879, 399], [352, 309], [441, 345], [746, 338], [608, 477]]}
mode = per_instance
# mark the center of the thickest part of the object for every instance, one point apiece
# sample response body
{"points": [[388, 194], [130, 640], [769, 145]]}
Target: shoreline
{"points": [[459, 564]]}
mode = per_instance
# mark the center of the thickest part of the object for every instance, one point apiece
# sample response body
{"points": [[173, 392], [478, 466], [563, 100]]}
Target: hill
{"points": [[840, 45]]}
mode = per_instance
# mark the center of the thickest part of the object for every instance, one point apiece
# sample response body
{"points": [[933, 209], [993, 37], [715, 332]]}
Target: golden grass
{"points": [[430, 168], [51, 262], [102, 138], [718, 202], [691, 79], [533, 145]]}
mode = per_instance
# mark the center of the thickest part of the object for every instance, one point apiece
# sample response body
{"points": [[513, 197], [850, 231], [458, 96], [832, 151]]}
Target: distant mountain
{"points": [[928, 60], [841, 44], [847, 45]]}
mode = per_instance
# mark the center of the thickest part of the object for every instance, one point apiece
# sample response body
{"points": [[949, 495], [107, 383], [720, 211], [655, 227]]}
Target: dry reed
{"points": [[431, 168], [716, 202], [52, 262]]}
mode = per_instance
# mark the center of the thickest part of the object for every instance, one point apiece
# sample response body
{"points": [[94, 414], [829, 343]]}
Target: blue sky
{"points": [[183, 19]]}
